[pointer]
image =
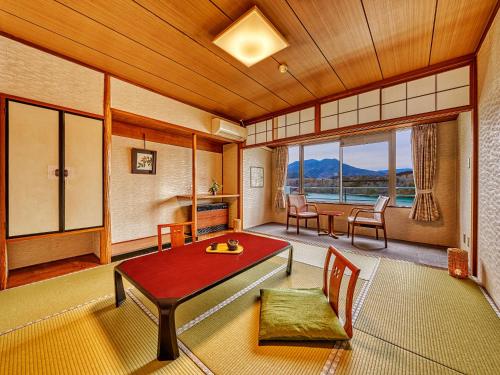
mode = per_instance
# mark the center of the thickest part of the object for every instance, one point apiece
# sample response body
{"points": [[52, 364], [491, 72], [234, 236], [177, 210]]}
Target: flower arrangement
{"points": [[214, 187]]}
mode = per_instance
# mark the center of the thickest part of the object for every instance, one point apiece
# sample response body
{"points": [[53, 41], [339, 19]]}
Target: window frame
{"points": [[355, 140]]}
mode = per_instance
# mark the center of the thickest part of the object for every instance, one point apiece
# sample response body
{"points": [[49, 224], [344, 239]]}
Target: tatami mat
{"points": [[425, 311], [227, 341], [414, 320], [96, 338]]}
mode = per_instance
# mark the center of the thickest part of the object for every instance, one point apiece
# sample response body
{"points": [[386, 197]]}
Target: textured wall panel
{"points": [[33, 74], [257, 202], [489, 161], [140, 202], [131, 98]]}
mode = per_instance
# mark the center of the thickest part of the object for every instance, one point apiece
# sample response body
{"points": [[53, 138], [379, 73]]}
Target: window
{"points": [[354, 169], [322, 172], [405, 185], [365, 170], [293, 174]]}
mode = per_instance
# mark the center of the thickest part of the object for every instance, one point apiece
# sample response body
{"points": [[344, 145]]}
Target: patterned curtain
{"points": [[280, 165], [424, 147]]}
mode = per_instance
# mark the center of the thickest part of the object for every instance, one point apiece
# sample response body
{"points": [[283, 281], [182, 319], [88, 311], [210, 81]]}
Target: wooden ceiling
{"points": [[166, 45]]}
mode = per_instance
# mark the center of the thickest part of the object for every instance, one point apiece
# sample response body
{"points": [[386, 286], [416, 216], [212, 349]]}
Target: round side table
{"points": [[331, 223]]}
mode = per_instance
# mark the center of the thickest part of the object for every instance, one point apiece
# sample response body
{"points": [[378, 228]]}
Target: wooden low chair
{"points": [[281, 308], [377, 219], [332, 289], [177, 234], [298, 208]]}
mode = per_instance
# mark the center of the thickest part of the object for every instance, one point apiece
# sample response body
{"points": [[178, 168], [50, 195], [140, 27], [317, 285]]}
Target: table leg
{"points": [[290, 261], [167, 336], [331, 232], [120, 295]]}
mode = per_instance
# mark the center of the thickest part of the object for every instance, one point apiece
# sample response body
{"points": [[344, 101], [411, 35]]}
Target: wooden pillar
{"points": [[240, 183], [475, 167], [3, 233], [105, 239], [194, 207]]}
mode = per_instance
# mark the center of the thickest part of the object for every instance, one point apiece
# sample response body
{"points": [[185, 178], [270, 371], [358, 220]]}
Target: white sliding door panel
{"points": [[83, 161], [33, 157]]}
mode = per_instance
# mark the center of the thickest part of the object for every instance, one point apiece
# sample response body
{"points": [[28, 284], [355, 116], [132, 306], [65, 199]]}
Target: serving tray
{"points": [[222, 248]]}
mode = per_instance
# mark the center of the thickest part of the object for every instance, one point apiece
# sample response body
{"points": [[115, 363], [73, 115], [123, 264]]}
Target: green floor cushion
{"points": [[298, 315]]}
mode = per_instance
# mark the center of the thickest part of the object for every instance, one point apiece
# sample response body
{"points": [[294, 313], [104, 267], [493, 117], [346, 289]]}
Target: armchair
{"points": [[377, 220], [298, 208]]}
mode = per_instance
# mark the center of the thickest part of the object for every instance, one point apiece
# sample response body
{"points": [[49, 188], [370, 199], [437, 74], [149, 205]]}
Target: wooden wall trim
{"points": [[3, 219], [50, 105], [422, 118], [409, 76], [105, 237], [147, 122], [54, 235], [166, 137]]}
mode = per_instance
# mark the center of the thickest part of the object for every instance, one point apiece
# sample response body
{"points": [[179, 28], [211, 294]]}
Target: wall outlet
{"points": [[468, 241], [464, 238]]}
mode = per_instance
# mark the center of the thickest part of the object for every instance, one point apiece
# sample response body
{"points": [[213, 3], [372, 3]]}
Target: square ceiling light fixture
{"points": [[251, 38]]}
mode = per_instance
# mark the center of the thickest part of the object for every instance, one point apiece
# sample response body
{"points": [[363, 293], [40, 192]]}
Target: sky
{"points": [[372, 156]]}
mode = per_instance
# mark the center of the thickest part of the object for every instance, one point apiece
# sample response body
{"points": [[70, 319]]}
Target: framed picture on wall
{"points": [[143, 161], [256, 177]]}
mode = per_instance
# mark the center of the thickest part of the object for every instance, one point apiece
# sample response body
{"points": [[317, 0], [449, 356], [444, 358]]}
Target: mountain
{"points": [[328, 168]]}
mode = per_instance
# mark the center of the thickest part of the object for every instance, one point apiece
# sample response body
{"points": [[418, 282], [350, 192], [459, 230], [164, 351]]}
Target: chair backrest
{"points": [[331, 288], [380, 206], [177, 234], [297, 200]]}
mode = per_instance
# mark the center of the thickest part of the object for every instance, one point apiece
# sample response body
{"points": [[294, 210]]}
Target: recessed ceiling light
{"points": [[251, 38]]}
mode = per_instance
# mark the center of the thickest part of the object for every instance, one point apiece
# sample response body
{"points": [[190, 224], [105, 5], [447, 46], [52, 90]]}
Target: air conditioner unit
{"points": [[228, 130]]}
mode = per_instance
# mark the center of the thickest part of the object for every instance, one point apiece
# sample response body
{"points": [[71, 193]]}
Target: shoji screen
{"points": [[33, 157], [83, 162]]}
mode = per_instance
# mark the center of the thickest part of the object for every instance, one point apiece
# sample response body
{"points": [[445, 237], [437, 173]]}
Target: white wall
{"points": [[489, 161], [257, 201]]}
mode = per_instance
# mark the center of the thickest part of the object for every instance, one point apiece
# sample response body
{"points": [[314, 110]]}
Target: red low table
{"points": [[174, 276], [331, 223]]}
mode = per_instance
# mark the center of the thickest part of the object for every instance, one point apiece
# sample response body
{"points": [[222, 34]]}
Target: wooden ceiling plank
{"points": [[166, 40], [304, 60], [340, 30], [70, 24], [202, 21], [402, 33], [459, 27], [48, 40]]}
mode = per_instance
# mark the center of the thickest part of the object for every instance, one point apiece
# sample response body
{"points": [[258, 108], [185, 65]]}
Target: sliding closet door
{"points": [[83, 162], [33, 158]]}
